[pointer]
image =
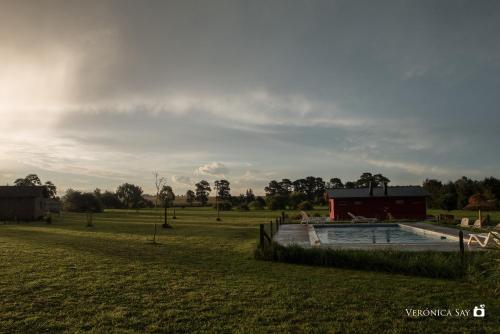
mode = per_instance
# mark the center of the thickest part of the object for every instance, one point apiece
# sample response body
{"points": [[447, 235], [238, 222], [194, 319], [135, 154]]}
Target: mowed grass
{"points": [[202, 277]]}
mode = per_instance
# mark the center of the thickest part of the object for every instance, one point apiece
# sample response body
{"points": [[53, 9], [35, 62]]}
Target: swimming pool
{"points": [[376, 234]]}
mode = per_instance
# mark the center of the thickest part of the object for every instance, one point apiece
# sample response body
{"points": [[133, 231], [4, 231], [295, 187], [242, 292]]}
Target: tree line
{"points": [[302, 193]]}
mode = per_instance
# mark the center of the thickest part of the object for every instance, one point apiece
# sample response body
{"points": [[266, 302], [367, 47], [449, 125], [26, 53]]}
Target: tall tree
{"points": [[50, 190], [336, 183], [29, 180], [273, 188], [130, 195], [202, 191], [167, 195], [249, 196], [190, 197], [223, 189]]}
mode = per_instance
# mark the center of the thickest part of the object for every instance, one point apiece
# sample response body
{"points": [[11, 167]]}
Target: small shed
{"points": [[21, 202], [401, 202]]}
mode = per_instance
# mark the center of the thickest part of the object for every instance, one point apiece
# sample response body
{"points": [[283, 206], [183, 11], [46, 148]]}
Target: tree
{"points": [[465, 188], [29, 180], [299, 186], [435, 189], [295, 199], [130, 195], [76, 201], [276, 202], [190, 197], [336, 183], [50, 190], [350, 185], [448, 201], [249, 196], [167, 195], [110, 200], [202, 191], [159, 183], [223, 190], [273, 188]]}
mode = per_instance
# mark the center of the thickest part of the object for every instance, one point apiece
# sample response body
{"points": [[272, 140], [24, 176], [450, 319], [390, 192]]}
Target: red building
{"points": [[406, 202]]}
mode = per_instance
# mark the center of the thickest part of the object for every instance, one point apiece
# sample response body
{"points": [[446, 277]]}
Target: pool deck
{"points": [[304, 235]]}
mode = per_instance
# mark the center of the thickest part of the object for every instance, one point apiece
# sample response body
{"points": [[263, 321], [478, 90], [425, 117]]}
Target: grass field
{"points": [[494, 215], [202, 277]]}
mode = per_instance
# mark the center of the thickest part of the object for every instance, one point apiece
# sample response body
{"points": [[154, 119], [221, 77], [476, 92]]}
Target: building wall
{"points": [[379, 207], [22, 208]]}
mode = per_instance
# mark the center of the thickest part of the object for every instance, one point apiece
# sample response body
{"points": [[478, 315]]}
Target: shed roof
{"points": [[398, 191], [21, 191]]}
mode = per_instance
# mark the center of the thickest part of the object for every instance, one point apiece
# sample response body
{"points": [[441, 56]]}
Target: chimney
{"points": [[385, 188], [370, 187]]}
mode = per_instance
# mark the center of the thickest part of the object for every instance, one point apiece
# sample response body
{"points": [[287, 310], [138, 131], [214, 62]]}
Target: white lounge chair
{"points": [[361, 219], [477, 224], [464, 223], [491, 239], [313, 220]]}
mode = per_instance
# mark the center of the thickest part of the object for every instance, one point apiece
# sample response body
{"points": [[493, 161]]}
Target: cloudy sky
{"points": [[96, 93]]}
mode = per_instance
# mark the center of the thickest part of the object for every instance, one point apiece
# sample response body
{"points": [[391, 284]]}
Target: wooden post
{"points": [[282, 216], [271, 225], [261, 237], [461, 241], [154, 236], [174, 217]]}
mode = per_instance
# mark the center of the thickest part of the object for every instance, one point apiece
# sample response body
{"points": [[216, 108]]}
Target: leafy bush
{"points": [[305, 205], [256, 205], [429, 263], [243, 207], [276, 202]]}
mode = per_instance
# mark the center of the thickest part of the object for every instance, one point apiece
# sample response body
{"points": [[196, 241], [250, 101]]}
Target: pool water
{"points": [[373, 235]]}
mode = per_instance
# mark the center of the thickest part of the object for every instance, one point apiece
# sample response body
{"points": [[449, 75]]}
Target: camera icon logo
{"points": [[478, 311]]}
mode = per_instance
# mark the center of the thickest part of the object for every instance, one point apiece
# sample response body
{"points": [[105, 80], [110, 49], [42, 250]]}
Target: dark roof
{"points": [[21, 191], [400, 191]]}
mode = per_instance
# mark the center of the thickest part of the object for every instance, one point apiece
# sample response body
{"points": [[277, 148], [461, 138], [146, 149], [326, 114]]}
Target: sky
{"points": [[98, 93]]}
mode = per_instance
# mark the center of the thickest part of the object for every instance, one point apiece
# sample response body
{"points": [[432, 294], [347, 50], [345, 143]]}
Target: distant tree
{"points": [[490, 187], [376, 180], [350, 185], [276, 202], [202, 191], [299, 186], [76, 201], [256, 205], [50, 190], [167, 195], [159, 183], [273, 188], [448, 201], [465, 188], [305, 205], [295, 199], [249, 196], [223, 190], [435, 189], [29, 180], [336, 183], [110, 200], [190, 197], [130, 195], [285, 187]]}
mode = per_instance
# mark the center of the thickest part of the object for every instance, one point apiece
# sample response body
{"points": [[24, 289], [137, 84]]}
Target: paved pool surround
{"points": [[305, 235]]}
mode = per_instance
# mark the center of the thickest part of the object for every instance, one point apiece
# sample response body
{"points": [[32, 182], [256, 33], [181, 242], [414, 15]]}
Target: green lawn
{"points": [[202, 277], [473, 215]]}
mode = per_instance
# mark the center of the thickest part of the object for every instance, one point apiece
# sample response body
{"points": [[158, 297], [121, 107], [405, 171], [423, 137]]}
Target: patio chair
{"points": [[313, 220], [477, 224], [464, 223], [361, 219], [491, 239]]}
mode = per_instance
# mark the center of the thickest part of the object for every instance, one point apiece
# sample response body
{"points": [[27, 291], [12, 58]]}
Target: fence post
{"points": [[271, 225], [261, 235], [282, 216], [461, 241]]}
